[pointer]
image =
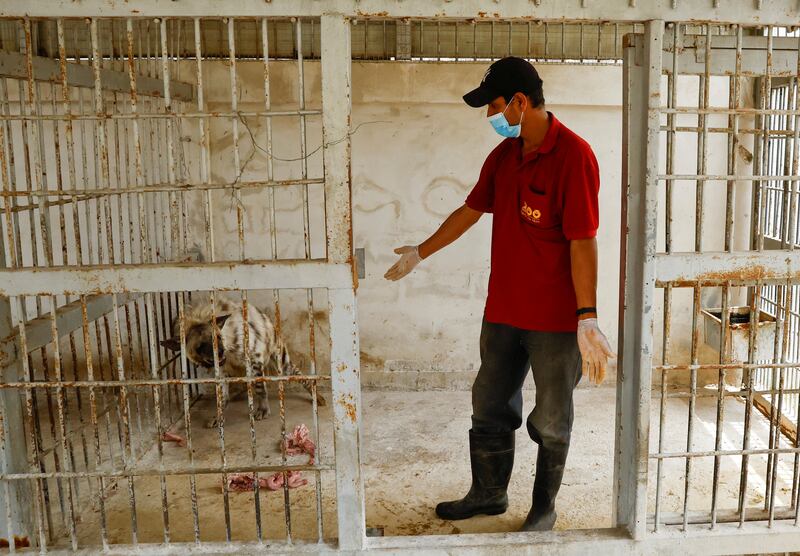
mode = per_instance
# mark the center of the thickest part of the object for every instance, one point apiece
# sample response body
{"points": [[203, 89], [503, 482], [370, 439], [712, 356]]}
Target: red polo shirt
{"points": [[540, 202]]}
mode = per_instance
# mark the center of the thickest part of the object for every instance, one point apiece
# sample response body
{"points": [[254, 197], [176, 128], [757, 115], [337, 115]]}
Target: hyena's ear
{"points": [[221, 321], [173, 343]]}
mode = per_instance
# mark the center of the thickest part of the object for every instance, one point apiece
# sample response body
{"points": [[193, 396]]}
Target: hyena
{"points": [[266, 350]]}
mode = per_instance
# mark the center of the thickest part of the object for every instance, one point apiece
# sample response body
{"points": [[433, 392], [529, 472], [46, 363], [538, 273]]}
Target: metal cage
{"points": [[141, 179]]}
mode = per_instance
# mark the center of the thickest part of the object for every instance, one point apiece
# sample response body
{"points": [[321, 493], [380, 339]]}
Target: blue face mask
{"points": [[502, 127]]}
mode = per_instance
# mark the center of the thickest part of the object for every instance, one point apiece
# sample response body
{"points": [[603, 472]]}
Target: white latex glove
{"points": [[595, 350], [409, 258]]}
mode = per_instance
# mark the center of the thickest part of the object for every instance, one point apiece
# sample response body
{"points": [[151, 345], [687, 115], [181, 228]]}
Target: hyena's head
{"points": [[200, 342]]}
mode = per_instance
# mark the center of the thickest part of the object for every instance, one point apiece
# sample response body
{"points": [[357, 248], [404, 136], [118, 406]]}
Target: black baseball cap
{"points": [[504, 78]]}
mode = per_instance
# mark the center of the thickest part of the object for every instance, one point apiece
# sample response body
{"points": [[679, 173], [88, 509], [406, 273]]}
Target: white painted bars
{"points": [[345, 380]]}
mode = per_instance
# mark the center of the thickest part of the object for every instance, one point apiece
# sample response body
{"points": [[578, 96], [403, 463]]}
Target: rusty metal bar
{"points": [[17, 518], [752, 13], [85, 173], [220, 419], [270, 172], [187, 423], [287, 509], [163, 382], [738, 267], [235, 135], [250, 407], [36, 175], [93, 416], [727, 177], [782, 341], [728, 366], [13, 65], [307, 244], [154, 372], [173, 211], [719, 425], [734, 101], [285, 274], [160, 188], [123, 158], [145, 247], [317, 457], [157, 471], [724, 453], [696, 329], [766, 103], [31, 165], [793, 238], [69, 133], [159, 116], [205, 144], [34, 443], [101, 138], [62, 415], [124, 408]]}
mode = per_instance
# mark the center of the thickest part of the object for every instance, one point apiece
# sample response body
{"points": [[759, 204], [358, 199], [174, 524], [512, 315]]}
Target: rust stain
{"points": [[748, 273], [367, 359], [349, 407], [19, 542]]}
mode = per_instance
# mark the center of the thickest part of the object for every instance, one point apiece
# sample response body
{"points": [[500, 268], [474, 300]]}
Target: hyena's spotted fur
{"points": [[266, 350]]}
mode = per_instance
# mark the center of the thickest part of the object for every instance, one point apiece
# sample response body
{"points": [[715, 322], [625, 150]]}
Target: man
{"points": [[541, 185]]}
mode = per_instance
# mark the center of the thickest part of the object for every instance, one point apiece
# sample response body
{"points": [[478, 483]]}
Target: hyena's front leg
{"points": [[262, 402], [307, 384], [215, 420]]}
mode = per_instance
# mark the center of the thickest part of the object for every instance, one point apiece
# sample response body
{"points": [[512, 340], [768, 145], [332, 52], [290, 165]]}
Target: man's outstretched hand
{"points": [[595, 350], [409, 258]]}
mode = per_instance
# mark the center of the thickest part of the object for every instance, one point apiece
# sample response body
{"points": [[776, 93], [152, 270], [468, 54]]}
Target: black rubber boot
{"points": [[492, 459], [549, 471]]}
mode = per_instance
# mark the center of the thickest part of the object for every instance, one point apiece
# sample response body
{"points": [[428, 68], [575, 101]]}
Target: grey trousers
{"points": [[507, 353]]}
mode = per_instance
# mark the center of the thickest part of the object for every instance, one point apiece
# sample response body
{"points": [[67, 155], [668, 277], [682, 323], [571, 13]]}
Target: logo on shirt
{"points": [[529, 214]]}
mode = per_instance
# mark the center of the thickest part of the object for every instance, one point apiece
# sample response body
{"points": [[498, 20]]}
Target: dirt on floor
{"points": [[415, 455]]}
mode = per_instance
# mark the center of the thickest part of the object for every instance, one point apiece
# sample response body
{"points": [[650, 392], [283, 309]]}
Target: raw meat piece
{"points": [[297, 442], [295, 479], [245, 482], [172, 437]]}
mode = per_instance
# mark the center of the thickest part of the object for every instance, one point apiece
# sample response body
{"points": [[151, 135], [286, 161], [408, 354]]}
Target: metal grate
{"points": [[382, 39], [451, 41], [780, 230], [735, 463]]}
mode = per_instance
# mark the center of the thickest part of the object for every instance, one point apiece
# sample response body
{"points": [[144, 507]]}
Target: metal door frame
{"points": [[643, 269]]}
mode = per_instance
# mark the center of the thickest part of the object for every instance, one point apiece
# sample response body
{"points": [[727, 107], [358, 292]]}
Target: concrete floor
{"points": [[415, 456]]}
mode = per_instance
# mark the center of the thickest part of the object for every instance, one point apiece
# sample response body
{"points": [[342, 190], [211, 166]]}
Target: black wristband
{"points": [[584, 310]]}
